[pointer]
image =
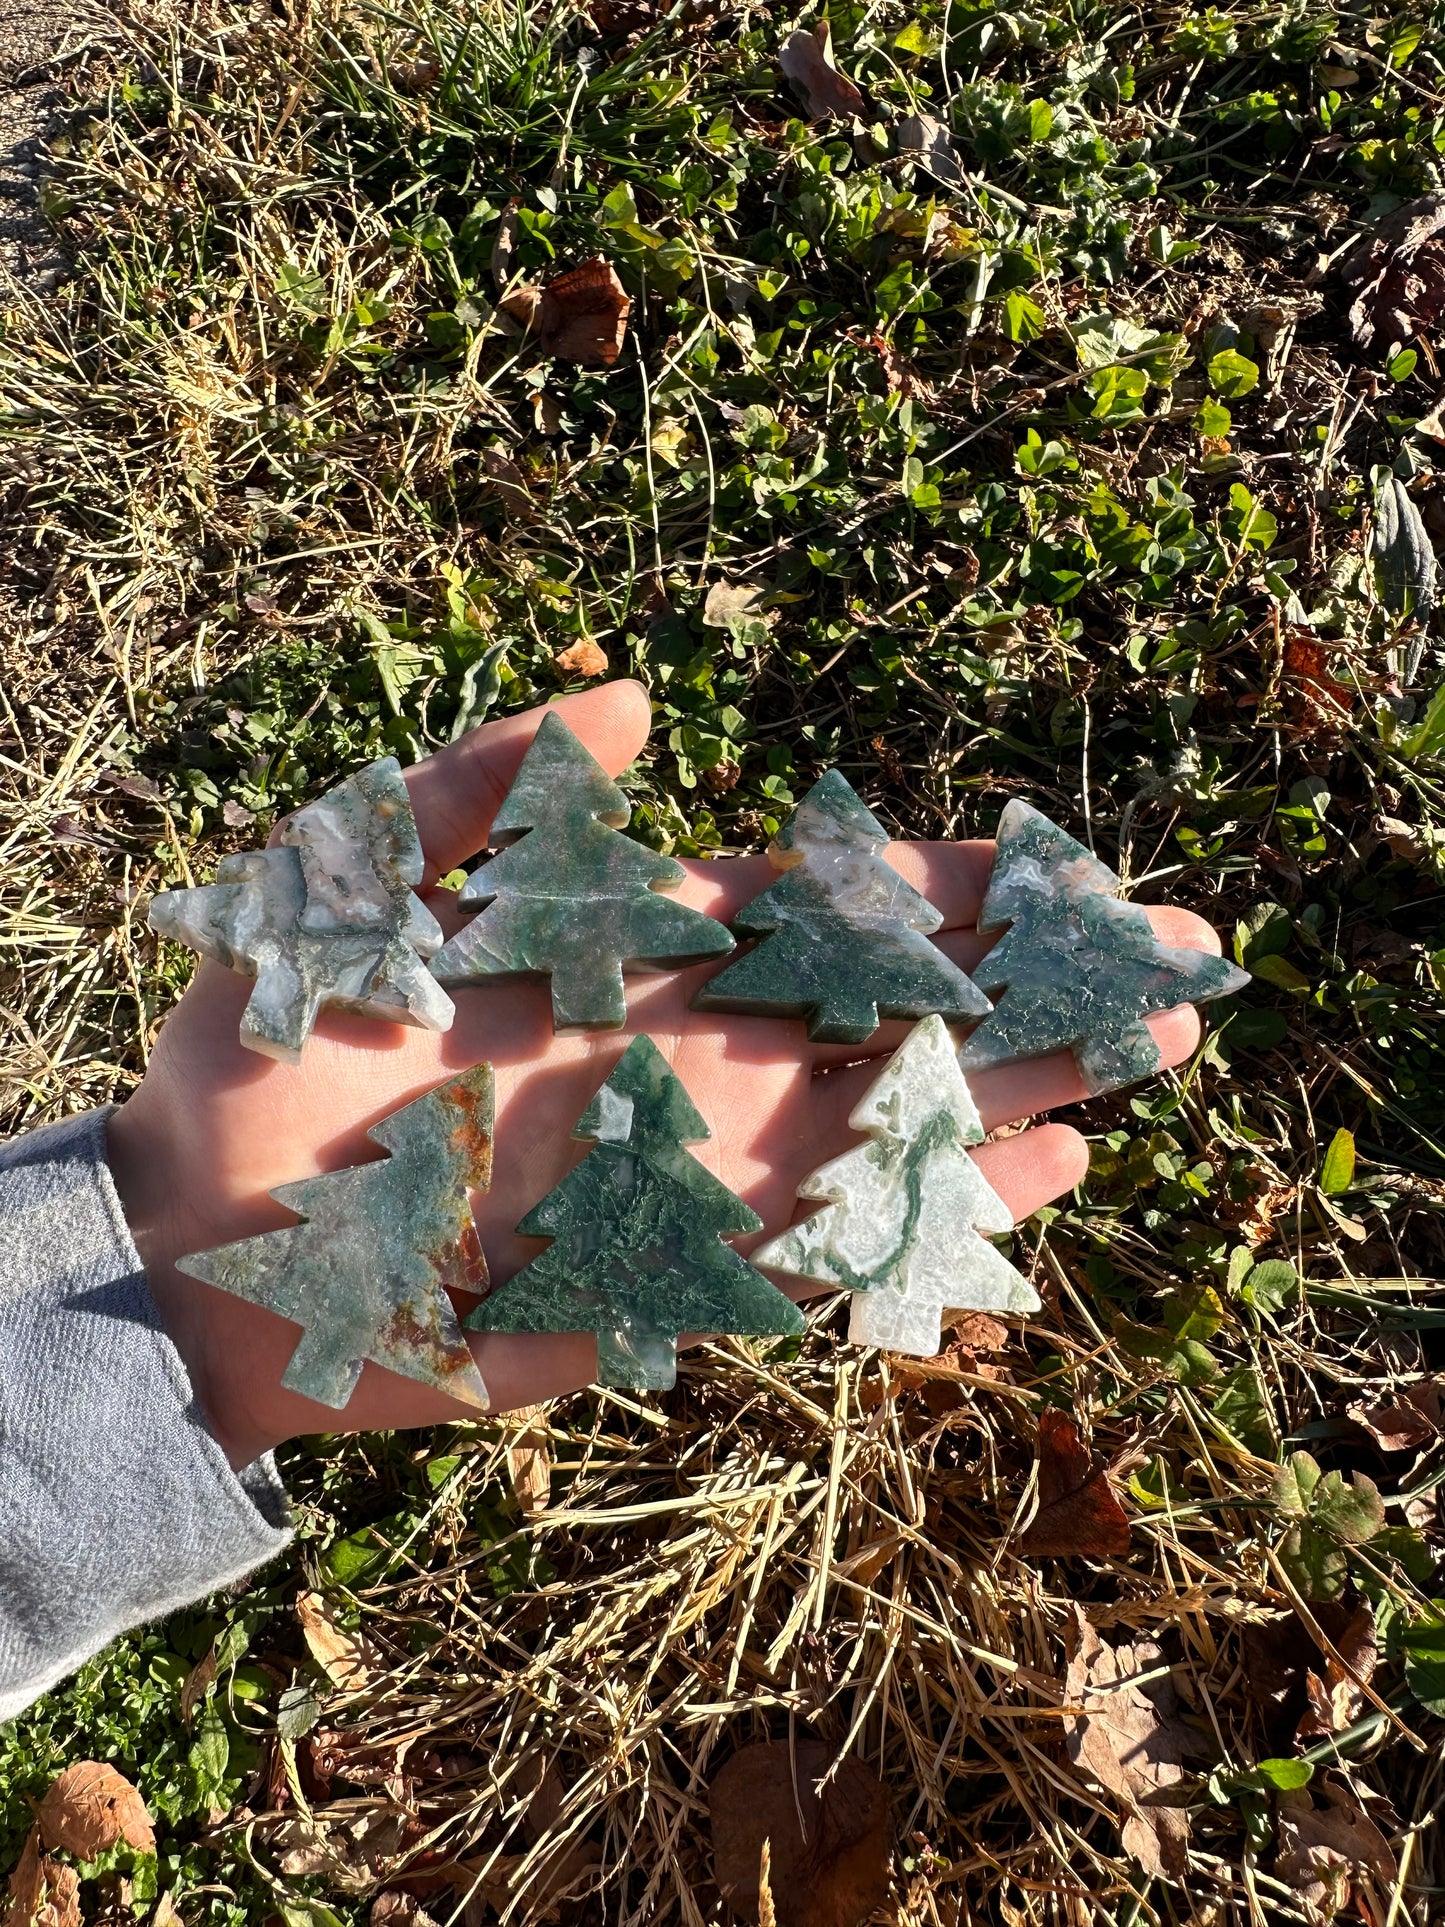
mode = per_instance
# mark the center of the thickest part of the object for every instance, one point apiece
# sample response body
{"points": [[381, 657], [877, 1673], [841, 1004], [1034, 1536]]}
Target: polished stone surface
{"points": [[638, 1256], [904, 1212], [573, 899], [366, 1272], [1078, 966], [327, 920], [844, 938]]}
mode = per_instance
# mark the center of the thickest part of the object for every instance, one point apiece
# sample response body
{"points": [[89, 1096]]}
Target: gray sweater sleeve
{"points": [[116, 1503]]}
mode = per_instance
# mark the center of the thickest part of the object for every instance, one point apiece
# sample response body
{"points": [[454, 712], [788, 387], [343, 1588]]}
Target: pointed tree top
{"points": [[458, 1113], [831, 816], [1035, 861], [920, 1079], [642, 1100], [366, 817], [558, 772]]}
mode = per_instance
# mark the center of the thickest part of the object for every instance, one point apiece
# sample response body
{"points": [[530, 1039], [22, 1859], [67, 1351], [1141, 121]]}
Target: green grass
{"points": [[1103, 543]]}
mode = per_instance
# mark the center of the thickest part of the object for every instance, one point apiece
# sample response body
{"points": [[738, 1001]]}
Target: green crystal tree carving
{"points": [[844, 938], [573, 899], [1079, 967], [329, 919], [366, 1272], [638, 1256], [904, 1214]]}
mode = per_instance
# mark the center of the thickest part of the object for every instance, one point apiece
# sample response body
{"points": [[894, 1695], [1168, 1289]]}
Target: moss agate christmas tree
{"points": [[843, 939], [568, 897], [328, 919], [638, 1257], [904, 1214], [1079, 968], [366, 1272]]}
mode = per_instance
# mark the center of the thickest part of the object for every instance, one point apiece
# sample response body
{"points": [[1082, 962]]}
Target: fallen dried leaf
{"points": [[1320, 700], [932, 143], [92, 1808], [1128, 1738], [522, 304], [1328, 1853], [1395, 275], [416, 76], [1417, 1417], [41, 1892], [899, 376], [979, 1332], [167, 1914], [807, 60], [622, 16], [198, 1683], [509, 482], [399, 1910], [583, 658], [1334, 1698], [729, 602], [345, 1658], [1078, 1511], [582, 315], [833, 1872]]}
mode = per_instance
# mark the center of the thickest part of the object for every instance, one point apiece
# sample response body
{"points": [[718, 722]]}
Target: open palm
{"points": [[213, 1126]]}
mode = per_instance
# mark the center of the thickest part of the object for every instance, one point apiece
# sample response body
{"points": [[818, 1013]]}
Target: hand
{"points": [[213, 1126]]}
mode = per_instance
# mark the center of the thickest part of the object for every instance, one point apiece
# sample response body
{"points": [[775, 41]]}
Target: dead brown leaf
{"points": [[167, 1914], [92, 1808], [729, 602], [979, 1332], [509, 482], [522, 304], [417, 76], [1395, 275], [834, 1872], [1078, 1511], [41, 1892], [1129, 1739], [199, 1682], [584, 658], [345, 1658], [807, 60], [1415, 1417], [399, 1910], [899, 376], [1327, 1854], [621, 16], [1334, 1698], [581, 316], [930, 142]]}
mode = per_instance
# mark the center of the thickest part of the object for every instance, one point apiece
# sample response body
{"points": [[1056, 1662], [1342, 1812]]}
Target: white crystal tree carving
{"points": [[905, 1213]]}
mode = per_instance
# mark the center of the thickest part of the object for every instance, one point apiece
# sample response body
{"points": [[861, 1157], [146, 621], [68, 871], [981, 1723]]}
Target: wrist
{"points": [[213, 1334]]}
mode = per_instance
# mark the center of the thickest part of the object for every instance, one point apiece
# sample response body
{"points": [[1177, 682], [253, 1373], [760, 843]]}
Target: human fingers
{"points": [[456, 793]]}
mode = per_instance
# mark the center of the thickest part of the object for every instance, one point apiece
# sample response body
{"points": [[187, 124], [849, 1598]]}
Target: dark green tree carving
{"points": [[638, 1256], [844, 938], [1079, 967], [570, 898]]}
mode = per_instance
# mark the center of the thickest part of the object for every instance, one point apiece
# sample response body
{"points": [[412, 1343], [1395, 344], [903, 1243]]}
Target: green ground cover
{"points": [[1050, 469]]}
